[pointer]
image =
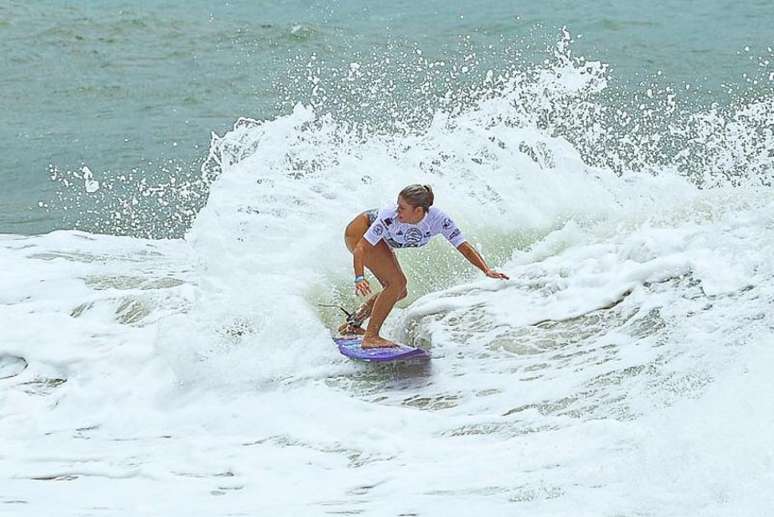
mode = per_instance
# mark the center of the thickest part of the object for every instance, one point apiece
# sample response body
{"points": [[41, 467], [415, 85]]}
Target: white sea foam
{"points": [[624, 368]]}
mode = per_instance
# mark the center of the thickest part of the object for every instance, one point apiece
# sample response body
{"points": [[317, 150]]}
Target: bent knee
{"points": [[398, 284]]}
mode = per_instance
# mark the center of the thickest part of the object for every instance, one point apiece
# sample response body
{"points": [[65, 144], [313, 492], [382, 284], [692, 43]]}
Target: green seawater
{"points": [[134, 89]]}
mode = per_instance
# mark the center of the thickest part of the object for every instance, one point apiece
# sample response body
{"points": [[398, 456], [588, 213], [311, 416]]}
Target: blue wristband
{"points": [[359, 279]]}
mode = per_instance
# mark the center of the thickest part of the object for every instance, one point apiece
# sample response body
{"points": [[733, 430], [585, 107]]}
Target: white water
{"points": [[623, 370]]}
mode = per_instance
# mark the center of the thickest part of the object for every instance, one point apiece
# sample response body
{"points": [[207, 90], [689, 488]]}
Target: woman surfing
{"points": [[371, 237]]}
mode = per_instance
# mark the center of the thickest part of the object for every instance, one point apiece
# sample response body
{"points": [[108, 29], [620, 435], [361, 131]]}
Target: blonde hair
{"points": [[418, 195]]}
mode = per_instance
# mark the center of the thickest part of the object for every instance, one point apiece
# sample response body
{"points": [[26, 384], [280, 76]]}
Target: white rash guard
{"points": [[404, 235]]}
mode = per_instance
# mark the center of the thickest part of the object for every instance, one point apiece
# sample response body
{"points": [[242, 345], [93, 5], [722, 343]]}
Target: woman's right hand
{"points": [[363, 288]]}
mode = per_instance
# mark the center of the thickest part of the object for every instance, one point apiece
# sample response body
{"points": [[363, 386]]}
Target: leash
{"points": [[351, 318]]}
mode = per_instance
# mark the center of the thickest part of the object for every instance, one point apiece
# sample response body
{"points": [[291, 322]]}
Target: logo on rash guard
{"points": [[378, 229], [454, 233], [413, 237], [447, 223]]}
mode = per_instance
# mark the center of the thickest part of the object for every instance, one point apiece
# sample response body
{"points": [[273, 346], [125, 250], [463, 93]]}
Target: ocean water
{"points": [[175, 183], [133, 90]]}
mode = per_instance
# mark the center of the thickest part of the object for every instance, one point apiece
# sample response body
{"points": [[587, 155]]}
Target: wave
{"points": [[638, 243]]}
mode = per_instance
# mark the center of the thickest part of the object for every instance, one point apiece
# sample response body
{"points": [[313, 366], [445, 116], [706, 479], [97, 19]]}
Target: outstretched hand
{"points": [[363, 288], [491, 273]]}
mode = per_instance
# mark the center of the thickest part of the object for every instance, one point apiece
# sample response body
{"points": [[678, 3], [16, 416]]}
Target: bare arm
{"points": [[475, 258]]}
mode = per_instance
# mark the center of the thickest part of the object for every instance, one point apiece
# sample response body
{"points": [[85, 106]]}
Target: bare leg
{"points": [[385, 301], [361, 314], [393, 280], [383, 263], [364, 311]]}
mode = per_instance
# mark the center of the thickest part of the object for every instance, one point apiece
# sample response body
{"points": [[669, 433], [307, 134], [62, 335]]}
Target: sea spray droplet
{"points": [[89, 182]]}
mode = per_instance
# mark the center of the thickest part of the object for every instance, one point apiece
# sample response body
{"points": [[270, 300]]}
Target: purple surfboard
{"points": [[350, 346]]}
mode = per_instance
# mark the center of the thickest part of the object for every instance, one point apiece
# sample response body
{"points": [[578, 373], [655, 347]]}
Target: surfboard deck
{"points": [[350, 346]]}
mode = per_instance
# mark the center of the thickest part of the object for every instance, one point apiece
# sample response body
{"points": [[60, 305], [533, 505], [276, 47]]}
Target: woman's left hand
{"points": [[491, 273]]}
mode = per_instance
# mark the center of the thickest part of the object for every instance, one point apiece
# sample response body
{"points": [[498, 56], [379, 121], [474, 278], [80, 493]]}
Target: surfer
{"points": [[371, 237]]}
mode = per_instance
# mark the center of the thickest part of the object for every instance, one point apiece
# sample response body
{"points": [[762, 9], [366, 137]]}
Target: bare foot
{"points": [[350, 330], [377, 342]]}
